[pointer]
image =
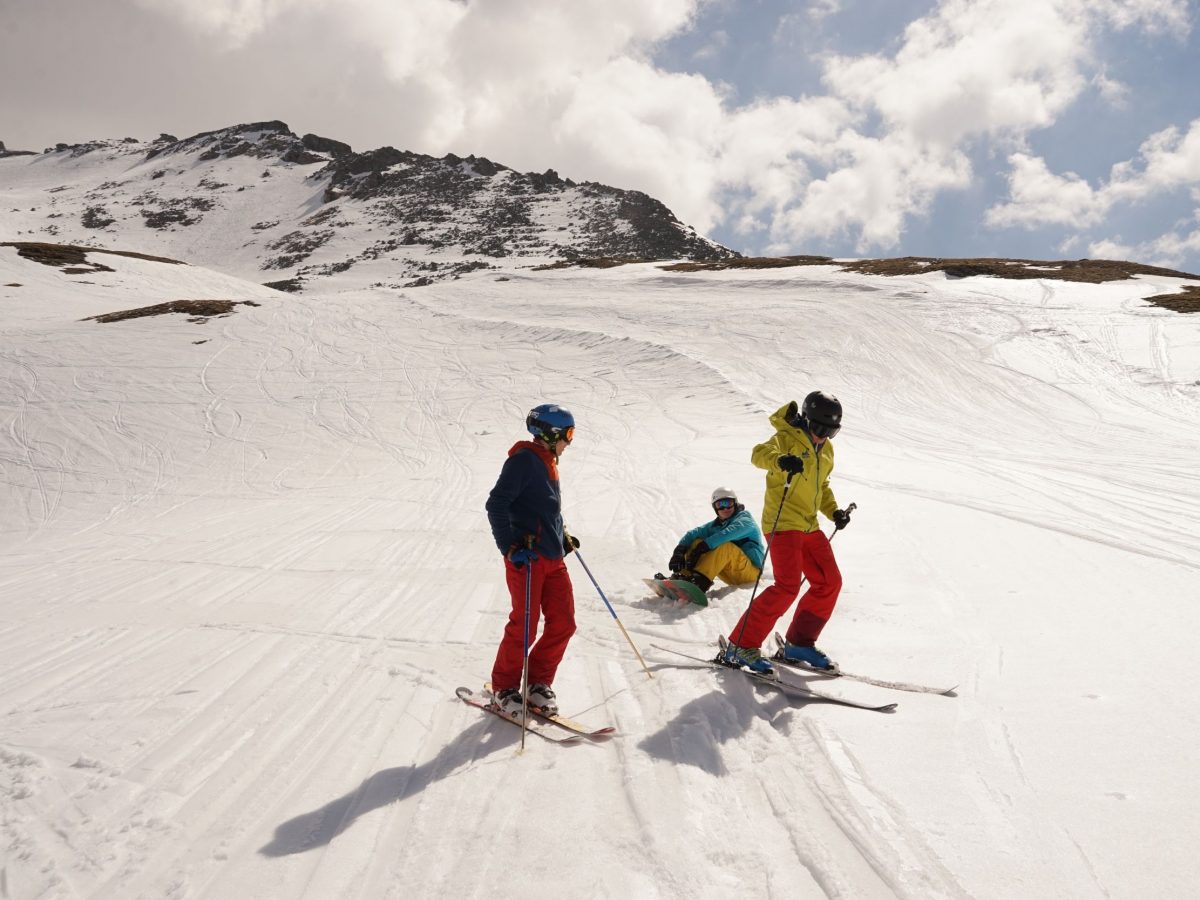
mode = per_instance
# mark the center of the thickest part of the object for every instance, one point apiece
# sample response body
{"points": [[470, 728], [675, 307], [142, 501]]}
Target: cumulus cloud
{"points": [[1113, 91], [540, 83], [1170, 249], [823, 9], [1167, 161]]}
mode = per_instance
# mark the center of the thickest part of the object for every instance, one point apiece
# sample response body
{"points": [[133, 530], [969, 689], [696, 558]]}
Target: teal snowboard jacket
{"points": [[740, 528]]}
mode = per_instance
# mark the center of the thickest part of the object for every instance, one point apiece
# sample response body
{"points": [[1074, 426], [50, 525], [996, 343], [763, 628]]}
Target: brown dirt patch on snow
{"points": [[60, 255], [1186, 301], [197, 310]]}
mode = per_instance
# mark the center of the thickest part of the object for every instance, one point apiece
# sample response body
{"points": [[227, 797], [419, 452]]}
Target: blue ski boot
{"points": [[808, 655], [746, 658]]}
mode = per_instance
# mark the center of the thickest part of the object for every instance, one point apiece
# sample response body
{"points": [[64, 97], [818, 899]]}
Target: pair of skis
{"points": [[790, 688], [539, 723], [838, 672], [803, 691], [544, 726]]}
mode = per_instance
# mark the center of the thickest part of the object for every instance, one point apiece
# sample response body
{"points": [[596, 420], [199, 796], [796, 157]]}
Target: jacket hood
{"points": [[541, 451], [780, 423]]}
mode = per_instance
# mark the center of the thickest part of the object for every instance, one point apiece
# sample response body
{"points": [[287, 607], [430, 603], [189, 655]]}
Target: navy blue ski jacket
{"points": [[527, 500]]}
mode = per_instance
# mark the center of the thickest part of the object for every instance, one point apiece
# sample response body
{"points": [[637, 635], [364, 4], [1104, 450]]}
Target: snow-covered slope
{"points": [[260, 202], [244, 563]]}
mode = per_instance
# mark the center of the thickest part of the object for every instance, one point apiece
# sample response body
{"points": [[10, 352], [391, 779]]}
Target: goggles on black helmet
{"points": [[821, 430]]}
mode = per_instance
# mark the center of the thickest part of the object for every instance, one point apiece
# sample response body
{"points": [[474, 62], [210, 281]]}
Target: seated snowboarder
{"points": [[730, 547]]}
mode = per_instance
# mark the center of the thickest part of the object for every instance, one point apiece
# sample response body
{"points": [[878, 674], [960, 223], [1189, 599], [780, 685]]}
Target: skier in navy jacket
{"points": [[525, 513]]}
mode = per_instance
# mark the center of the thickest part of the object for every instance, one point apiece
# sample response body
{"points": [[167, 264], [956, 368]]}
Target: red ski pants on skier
{"points": [[794, 554], [551, 595]]}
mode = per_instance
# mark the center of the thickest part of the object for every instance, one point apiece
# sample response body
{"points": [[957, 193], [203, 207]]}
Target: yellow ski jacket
{"points": [[810, 489]]}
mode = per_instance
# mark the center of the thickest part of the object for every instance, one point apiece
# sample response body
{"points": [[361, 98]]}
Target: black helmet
{"points": [[824, 414]]}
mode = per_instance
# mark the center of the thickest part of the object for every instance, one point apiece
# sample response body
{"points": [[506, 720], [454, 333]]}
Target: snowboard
{"points": [[677, 589]]}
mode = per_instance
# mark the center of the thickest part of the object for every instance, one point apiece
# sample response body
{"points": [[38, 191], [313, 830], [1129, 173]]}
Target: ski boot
{"points": [[509, 702], [809, 655], [542, 699], [746, 658]]}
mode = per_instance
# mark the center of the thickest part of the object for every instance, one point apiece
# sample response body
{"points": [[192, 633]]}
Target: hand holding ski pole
{"points": [[841, 517]]}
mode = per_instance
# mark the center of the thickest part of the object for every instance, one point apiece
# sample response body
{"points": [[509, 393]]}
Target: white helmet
{"points": [[724, 493]]}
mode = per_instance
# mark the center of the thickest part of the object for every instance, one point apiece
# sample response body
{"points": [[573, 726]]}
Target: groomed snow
{"points": [[244, 564]]}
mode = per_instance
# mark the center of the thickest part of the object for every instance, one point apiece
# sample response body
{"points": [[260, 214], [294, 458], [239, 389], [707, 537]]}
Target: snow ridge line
{"points": [[598, 338]]}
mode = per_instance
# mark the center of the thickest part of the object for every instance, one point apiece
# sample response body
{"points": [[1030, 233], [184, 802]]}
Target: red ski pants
{"points": [[794, 554], [551, 595]]}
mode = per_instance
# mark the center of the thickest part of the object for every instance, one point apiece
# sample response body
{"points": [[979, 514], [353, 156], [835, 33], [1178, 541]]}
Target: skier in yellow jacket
{"points": [[800, 451]]}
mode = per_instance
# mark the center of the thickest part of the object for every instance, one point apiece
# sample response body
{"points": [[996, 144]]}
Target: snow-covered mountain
{"points": [[258, 201], [244, 563]]}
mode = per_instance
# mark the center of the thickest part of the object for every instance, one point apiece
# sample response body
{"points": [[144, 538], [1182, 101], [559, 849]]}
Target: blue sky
{"points": [[840, 127]]}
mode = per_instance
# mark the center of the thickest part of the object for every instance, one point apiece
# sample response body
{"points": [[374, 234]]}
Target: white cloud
{"points": [[1170, 250], [541, 83], [1038, 197], [823, 9], [973, 68], [1111, 249], [1115, 92], [1067, 247], [1155, 16], [717, 42], [1167, 161]]}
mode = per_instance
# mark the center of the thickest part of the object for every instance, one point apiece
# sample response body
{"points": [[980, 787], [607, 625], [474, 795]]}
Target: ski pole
{"points": [[525, 663], [649, 674], [787, 486]]}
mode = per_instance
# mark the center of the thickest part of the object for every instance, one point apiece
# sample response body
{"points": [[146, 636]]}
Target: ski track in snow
{"points": [[243, 577]]}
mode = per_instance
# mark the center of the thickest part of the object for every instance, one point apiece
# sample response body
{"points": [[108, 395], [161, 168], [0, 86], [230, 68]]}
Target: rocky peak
{"points": [[267, 200], [264, 140]]}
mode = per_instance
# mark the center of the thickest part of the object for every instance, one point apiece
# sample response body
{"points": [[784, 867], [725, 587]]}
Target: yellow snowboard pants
{"points": [[727, 562]]}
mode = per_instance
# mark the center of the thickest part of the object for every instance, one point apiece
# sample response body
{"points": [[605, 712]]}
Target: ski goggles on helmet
{"points": [[563, 434], [724, 503], [821, 430]]}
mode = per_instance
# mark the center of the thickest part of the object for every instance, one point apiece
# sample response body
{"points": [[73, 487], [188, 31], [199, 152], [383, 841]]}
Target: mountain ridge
{"points": [[312, 207]]}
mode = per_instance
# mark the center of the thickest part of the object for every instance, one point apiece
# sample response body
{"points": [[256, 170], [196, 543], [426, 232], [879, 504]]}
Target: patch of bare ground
{"points": [[1186, 301], [59, 255], [1093, 271], [750, 262], [1090, 271], [198, 311], [599, 262]]}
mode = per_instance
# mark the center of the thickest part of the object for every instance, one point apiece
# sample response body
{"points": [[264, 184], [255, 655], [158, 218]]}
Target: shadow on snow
{"points": [[320, 826]]}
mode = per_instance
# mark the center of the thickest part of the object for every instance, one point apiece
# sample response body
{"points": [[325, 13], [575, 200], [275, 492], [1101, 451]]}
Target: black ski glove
{"points": [[793, 465], [841, 518], [792, 415], [570, 542], [677, 559], [693, 555]]}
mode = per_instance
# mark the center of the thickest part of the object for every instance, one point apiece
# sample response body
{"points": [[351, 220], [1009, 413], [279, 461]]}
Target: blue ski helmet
{"points": [[551, 423]]}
